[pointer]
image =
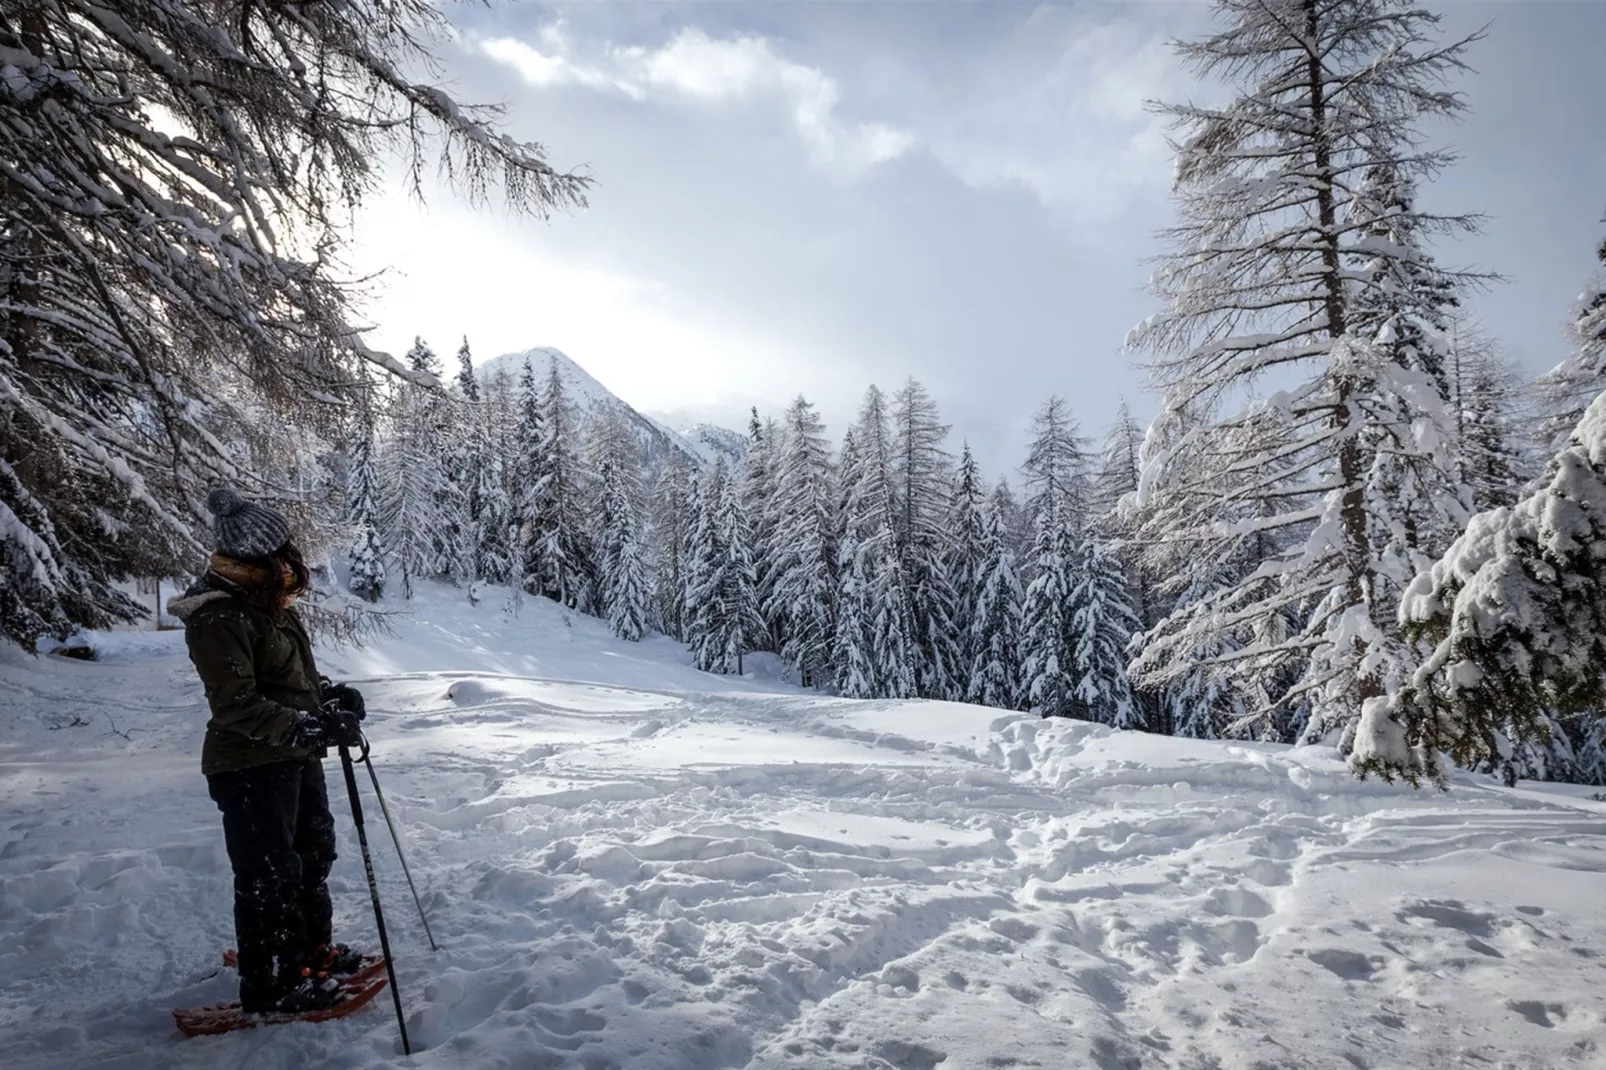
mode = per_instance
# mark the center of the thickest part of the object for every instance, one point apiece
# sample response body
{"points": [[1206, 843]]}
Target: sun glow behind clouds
{"points": [[632, 333]]}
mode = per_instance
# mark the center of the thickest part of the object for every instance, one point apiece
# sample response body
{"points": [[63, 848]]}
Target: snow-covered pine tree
{"points": [[674, 516], [707, 621], [471, 473], [1568, 388], [414, 475], [1017, 530], [894, 645], [1516, 613], [1282, 267], [852, 645], [1116, 519], [744, 628], [798, 608], [1102, 622], [622, 579], [556, 519], [367, 556], [177, 182], [758, 491], [524, 475], [922, 472], [965, 564], [1047, 655], [995, 673]]}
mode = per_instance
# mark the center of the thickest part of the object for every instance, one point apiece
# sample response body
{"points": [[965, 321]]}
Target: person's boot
{"points": [[312, 992], [337, 959]]}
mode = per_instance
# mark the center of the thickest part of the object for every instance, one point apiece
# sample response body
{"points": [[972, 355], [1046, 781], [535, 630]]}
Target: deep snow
{"points": [[630, 864]]}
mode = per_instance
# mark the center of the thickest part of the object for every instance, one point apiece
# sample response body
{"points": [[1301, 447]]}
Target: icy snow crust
{"points": [[656, 868]]}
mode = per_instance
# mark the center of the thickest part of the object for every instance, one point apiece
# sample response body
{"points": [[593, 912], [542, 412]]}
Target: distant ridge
{"points": [[699, 445]]}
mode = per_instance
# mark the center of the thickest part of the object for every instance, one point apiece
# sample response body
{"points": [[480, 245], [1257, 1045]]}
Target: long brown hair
{"points": [[273, 581]]}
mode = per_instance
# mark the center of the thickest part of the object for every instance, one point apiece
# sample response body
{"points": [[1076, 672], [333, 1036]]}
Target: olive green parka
{"points": [[258, 672]]}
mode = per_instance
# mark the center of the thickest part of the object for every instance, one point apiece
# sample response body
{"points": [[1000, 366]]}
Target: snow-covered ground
{"points": [[632, 865]]}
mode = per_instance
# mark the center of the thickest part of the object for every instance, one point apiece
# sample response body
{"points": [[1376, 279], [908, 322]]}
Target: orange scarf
{"points": [[254, 578]]}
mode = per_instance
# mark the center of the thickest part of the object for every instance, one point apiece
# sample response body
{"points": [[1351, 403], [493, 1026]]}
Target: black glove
{"points": [[345, 697], [342, 727], [330, 727], [309, 731]]}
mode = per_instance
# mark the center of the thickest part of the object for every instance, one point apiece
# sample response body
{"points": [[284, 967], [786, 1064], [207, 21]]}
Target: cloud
{"points": [[693, 68], [1063, 112]]}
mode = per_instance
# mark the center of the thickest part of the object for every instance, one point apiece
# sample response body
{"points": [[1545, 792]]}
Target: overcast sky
{"points": [[811, 197]]}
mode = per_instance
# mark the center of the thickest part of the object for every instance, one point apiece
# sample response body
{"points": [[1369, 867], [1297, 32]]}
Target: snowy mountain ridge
{"points": [[699, 445]]}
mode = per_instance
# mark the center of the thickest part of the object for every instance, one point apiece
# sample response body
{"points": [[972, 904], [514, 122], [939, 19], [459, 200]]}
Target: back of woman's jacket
{"points": [[258, 672]]}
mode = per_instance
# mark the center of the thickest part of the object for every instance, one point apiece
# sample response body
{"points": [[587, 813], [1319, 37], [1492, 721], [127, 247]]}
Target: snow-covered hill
{"points": [[591, 399], [630, 864]]}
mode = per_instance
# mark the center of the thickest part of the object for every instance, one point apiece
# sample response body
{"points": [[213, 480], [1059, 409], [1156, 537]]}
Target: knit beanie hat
{"points": [[245, 529]]}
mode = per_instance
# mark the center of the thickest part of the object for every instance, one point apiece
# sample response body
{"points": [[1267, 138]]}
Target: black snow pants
{"points": [[281, 841]]}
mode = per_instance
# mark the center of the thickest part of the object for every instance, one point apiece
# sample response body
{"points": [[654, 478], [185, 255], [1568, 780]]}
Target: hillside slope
{"points": [[633, 865]]}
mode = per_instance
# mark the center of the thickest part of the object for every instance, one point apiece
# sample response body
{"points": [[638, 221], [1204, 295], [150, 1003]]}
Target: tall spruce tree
{"points": [[625, 593], [674, 517], [1047, 655], [965, 562], [1283, 265], [367, 555], [798, 608], [853, 644], [414, 474], [1102, 623], [562, 549], [995, 640]]}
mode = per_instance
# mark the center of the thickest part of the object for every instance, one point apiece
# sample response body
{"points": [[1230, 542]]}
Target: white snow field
{"points": [[632, 866]]}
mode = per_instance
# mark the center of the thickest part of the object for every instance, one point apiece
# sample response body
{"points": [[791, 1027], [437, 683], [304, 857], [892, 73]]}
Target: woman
{"points": [[272, 718]]}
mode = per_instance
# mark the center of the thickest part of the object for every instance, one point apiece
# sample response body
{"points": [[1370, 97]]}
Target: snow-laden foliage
{"points": [[179, 177], [1516, 613]]}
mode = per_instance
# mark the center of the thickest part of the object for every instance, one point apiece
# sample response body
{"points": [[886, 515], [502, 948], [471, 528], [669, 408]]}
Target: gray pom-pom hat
{"points": [[245, 529]]}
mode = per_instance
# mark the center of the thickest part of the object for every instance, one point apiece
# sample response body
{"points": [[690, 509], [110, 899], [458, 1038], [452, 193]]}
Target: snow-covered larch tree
{"points": [[921, 475], [179, 180], [1297, 233]]}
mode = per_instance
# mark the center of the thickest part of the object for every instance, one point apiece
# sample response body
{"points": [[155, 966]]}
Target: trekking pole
{"points": [[394, 838], [373, 890]]}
